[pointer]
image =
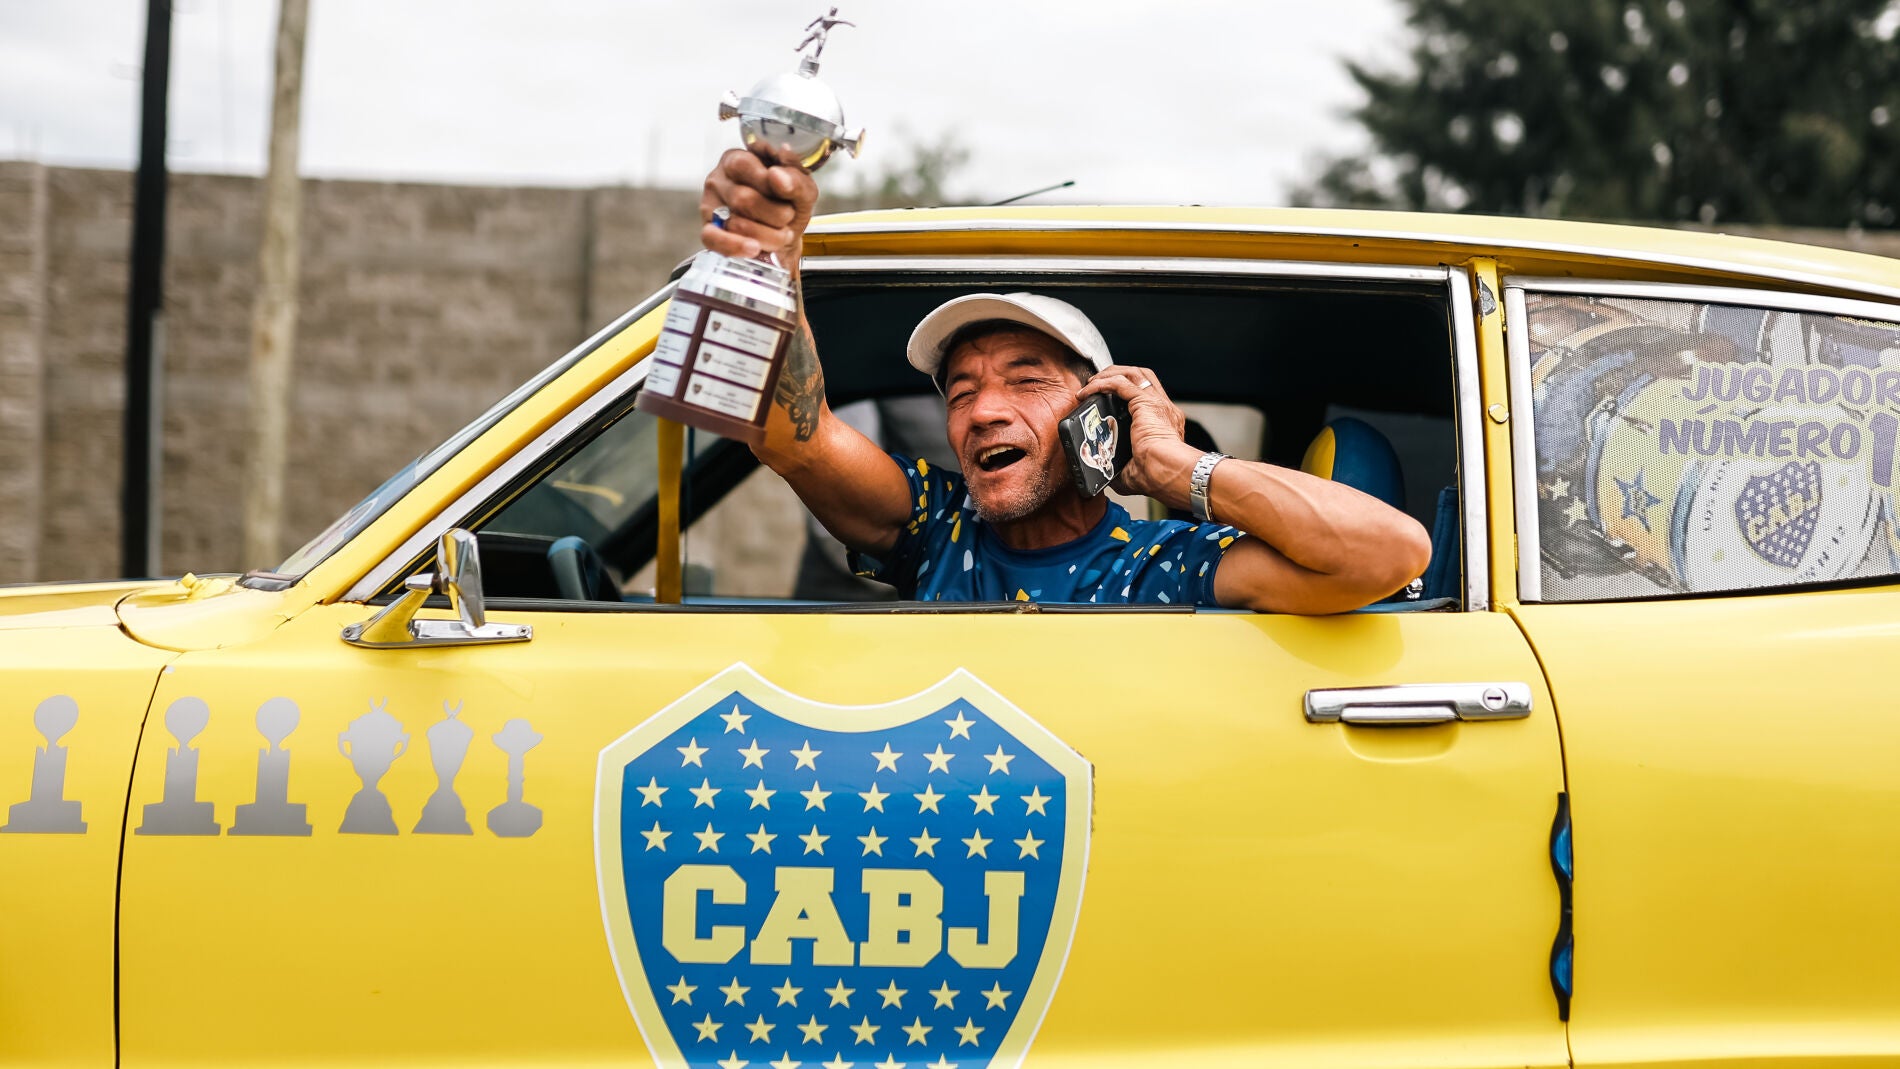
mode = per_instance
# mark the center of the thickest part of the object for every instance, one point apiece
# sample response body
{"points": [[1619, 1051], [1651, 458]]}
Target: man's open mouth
{"points": [[998, 457]]}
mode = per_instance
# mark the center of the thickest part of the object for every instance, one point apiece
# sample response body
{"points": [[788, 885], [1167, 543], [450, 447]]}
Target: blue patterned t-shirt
{"points": [[945, 553]]}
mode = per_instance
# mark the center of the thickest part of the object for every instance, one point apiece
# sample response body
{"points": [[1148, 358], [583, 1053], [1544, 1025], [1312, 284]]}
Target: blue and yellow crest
{"points": [[787, 883]]}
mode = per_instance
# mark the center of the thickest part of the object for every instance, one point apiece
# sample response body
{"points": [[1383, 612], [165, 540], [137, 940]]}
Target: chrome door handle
{"points": [[1418, 703]]}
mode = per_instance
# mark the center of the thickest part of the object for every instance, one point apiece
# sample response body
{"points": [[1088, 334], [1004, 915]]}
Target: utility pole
{"points": [[142, 445], [274, 314]]}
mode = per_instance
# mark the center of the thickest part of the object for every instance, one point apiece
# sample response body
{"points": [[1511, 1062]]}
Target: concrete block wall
{"points": [[421, 305]]}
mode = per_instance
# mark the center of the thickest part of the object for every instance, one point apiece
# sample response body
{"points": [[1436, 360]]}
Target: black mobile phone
{"points": [[1095, 436]]}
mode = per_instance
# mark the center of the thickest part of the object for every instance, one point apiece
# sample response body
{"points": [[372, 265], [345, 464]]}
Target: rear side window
{"points": [[1689, 446]]}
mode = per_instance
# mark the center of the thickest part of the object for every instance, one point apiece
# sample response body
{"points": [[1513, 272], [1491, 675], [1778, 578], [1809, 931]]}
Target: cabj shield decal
{"points": [[787, 883]]}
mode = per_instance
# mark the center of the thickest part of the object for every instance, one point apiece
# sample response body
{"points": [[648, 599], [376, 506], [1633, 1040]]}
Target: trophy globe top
{"points": [[795, 109]]}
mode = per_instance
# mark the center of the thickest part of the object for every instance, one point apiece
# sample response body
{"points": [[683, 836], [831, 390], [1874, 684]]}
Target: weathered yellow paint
{"points": [[58, 890], [1733, 764]]}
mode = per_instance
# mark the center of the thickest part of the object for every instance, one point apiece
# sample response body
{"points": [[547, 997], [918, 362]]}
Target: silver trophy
{"points": [[722, 347]]}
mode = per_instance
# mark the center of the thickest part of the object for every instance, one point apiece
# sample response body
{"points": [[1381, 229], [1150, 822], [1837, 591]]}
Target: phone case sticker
{"points": [[1098, 442]]}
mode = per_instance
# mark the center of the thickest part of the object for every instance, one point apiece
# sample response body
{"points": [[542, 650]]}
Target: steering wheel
{"points": [[579, 572]]}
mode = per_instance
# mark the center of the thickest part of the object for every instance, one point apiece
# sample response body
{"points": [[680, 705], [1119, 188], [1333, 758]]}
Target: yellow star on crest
{"points": [[837, 1062], [999, 761], [734, 992], [709, 839], [1028, 844], [1036, 801], [941, 1063], [691, 753], [890, 1062], [926, 844], [969, 1032], [916, 1030], [865, 1030], [979, 846], [732, 1061], [656, 839], [807, 757], [940, 761], [815, 798], [754, 755], [886, 759], [787, 994], [997, 998], [960, 727], [785, 1061], [814, 1032], [873, 798], [873, 843], [893, 995], [761, 840], [814, 842], [682, 991], [985, 801], [708, 1028], [735, 720], [841, 995], [650, 794], [927, 801], [945, 996], [704, 793], [761, 1032], [761, 796]]}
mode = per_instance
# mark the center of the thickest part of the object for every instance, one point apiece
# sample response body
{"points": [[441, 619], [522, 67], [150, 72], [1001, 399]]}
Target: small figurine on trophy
{"points": [[722, 347]]}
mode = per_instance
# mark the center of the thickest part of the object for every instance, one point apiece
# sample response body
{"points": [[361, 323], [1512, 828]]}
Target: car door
{"points": [[1709, 477], [1253, 850]]}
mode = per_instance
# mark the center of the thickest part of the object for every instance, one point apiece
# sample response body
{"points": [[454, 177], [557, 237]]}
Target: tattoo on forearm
{"points": [[801, 385]]}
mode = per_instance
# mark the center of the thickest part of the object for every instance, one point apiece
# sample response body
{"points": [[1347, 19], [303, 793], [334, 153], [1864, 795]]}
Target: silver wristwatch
{"points": [[1197, 484]]}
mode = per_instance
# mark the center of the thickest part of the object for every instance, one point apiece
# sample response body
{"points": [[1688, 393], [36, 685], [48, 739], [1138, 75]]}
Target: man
{"points": [[1012, 525]]}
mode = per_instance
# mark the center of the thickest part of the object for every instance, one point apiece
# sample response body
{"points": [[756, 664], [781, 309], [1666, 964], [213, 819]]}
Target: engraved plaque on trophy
{"points": [[723, 343]]}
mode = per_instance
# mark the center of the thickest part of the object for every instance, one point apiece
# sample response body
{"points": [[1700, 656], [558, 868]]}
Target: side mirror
{"points": [[458, 574]]}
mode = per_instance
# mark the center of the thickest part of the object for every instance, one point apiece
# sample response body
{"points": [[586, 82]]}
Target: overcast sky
{"points": [[1190, 101]]}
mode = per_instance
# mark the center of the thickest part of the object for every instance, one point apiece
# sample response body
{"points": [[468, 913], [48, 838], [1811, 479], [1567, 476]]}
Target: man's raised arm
{"points": [[847, 481]]}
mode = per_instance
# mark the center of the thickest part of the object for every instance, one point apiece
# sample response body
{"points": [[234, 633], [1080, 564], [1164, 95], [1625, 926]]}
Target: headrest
{"points": [[1353, 452]]}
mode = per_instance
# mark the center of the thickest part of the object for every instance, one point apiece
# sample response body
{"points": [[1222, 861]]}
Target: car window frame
{"points": [[1462, 327], [1530, 580]]}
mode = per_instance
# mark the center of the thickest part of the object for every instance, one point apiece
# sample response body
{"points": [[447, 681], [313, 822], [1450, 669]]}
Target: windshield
{"points": [[365, 512]]}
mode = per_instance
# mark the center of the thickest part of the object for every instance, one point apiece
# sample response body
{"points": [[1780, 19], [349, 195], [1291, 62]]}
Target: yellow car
{"points": [[496, 771]]}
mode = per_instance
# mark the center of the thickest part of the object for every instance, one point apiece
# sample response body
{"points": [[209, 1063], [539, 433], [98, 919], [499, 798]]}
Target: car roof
{"points": [[1533, 246]]}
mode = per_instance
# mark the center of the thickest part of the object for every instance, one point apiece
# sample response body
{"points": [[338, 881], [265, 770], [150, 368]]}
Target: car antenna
{"points": [[1031, 193]]}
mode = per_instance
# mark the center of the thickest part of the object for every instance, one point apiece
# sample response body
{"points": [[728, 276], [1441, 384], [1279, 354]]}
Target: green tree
{"points": [[1753, 111], [910, 173]]}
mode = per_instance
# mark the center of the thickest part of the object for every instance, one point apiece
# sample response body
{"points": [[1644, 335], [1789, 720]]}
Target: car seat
{"points": [[1356, 453]]}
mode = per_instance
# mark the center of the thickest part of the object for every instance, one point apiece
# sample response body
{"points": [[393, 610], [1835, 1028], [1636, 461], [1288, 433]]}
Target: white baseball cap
{"points": [[1058, 319]]}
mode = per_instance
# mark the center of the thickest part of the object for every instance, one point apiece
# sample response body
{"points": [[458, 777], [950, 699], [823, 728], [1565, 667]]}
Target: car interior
{"points": [[1359, 374]]}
